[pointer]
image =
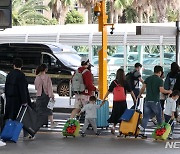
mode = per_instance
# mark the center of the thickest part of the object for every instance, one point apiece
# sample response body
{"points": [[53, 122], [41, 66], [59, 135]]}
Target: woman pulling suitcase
{"points": [[119, 87]]}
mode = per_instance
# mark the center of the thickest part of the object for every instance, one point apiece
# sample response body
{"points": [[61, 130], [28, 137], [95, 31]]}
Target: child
{"points": [[90, 115], [170, 108]]}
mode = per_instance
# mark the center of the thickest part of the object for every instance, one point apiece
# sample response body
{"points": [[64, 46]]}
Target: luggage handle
{"points": [[169, 122], [23, 112]]}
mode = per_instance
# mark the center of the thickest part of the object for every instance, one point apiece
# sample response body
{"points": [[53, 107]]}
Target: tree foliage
{"points": [[74, 17], [28, 12]]}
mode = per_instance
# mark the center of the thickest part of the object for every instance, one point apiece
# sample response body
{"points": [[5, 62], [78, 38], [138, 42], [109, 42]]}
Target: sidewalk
{"points": [[66, 104]]}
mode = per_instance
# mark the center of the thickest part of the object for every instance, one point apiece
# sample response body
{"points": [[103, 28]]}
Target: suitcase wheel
{"points": [[125, 136], [136, 136], [73, 136]]}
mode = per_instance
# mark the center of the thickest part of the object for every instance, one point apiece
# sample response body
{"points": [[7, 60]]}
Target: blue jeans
{"points": [[150, 108]]}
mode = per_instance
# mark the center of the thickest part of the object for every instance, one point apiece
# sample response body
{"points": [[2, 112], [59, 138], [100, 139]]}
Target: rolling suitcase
{"points": [[12, 129], [102, 115], [130, 121], [130, 128], [71, 128]]}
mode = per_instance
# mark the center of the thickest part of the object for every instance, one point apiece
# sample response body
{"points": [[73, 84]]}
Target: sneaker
{"points": [[112, 130], [2, 143], [154, 120], [83, 134], [54, 125], [170, 137], [143, 136], [29, 138], [98, 133], [141, 128]]}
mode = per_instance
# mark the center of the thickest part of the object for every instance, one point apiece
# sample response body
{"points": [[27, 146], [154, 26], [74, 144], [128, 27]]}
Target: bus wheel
{"points": [[63, 89]]}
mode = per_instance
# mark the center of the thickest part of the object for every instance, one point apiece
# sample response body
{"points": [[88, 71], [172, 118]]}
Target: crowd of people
{"points": [[161, 99]]}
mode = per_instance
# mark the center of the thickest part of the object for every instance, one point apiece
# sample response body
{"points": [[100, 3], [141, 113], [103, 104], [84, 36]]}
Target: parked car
{"points": [[148, 66], [62, 61], [31, 88]]}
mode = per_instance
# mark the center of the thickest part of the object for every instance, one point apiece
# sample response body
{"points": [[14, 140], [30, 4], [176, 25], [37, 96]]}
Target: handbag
{"points": [[51, 104]]}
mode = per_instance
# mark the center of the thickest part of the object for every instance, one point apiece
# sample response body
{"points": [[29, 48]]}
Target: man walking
{"points": [[153, 86], [136, 77], [81, 98], [16, 91]]}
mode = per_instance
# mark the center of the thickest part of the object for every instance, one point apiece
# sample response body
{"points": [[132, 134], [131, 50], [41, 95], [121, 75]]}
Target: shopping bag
{"points": [[51, 104]]}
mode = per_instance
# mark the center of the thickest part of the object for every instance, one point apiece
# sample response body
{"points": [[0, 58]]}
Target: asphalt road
{"points": [[51, 141], [55, 143]]}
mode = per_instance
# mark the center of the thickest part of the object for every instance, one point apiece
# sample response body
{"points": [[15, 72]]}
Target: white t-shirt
{"points": [[170, 106], [90, 110]]}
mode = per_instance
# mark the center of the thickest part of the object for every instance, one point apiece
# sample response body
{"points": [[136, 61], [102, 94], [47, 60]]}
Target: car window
{"points": [[67, 59], [2, 79], [118, 61], [118, 55]]}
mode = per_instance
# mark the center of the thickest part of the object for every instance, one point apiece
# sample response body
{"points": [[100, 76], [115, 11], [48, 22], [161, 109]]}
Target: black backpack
{"points": [[130, 79]]}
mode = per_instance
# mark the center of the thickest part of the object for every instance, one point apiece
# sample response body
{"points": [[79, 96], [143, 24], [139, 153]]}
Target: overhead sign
{"points": [[5, 14], [155, 30]]}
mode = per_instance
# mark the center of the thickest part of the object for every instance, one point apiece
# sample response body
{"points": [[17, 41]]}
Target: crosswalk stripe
{"points": [[150, 128]]}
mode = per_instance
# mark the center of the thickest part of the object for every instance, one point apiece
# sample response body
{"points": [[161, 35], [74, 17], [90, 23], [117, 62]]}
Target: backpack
{"points": [[77, 81], [130, 79], [119, 93], [169, 82]]}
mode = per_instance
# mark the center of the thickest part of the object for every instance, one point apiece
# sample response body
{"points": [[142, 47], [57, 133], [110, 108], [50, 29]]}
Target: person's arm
{"points": [[103, 102], [172, 116], [162, 90], [133, 96], [23, 89], [141, 80], [87, 78], [142, 90], [106, 95], [50, 88]]}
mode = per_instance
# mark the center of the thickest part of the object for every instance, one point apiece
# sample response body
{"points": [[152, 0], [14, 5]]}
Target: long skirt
{"points": [[117, 111], [41, 105]]}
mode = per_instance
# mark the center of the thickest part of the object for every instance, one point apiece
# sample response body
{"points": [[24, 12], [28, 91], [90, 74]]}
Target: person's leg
{"points": [[53, 124], [171, 122], [136, 93], [85, 126], [77, 105], [156, 108], [146, 116], [93, 124]]}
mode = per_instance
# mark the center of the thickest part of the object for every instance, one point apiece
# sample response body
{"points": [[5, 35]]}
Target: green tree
{"points": [[74, 17], [25, 13]]}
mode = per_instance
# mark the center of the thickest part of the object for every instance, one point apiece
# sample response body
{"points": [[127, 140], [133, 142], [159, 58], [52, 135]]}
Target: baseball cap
{"points": [[86, 63]]}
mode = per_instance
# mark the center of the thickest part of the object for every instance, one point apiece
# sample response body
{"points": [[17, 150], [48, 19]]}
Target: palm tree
{"points": [[160, 7], [117, 7], [88, 5], [60, 8], [24, 13]]}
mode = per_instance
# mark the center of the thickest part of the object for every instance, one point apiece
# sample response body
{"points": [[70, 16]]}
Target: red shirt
{"points": [[88, 81]]}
